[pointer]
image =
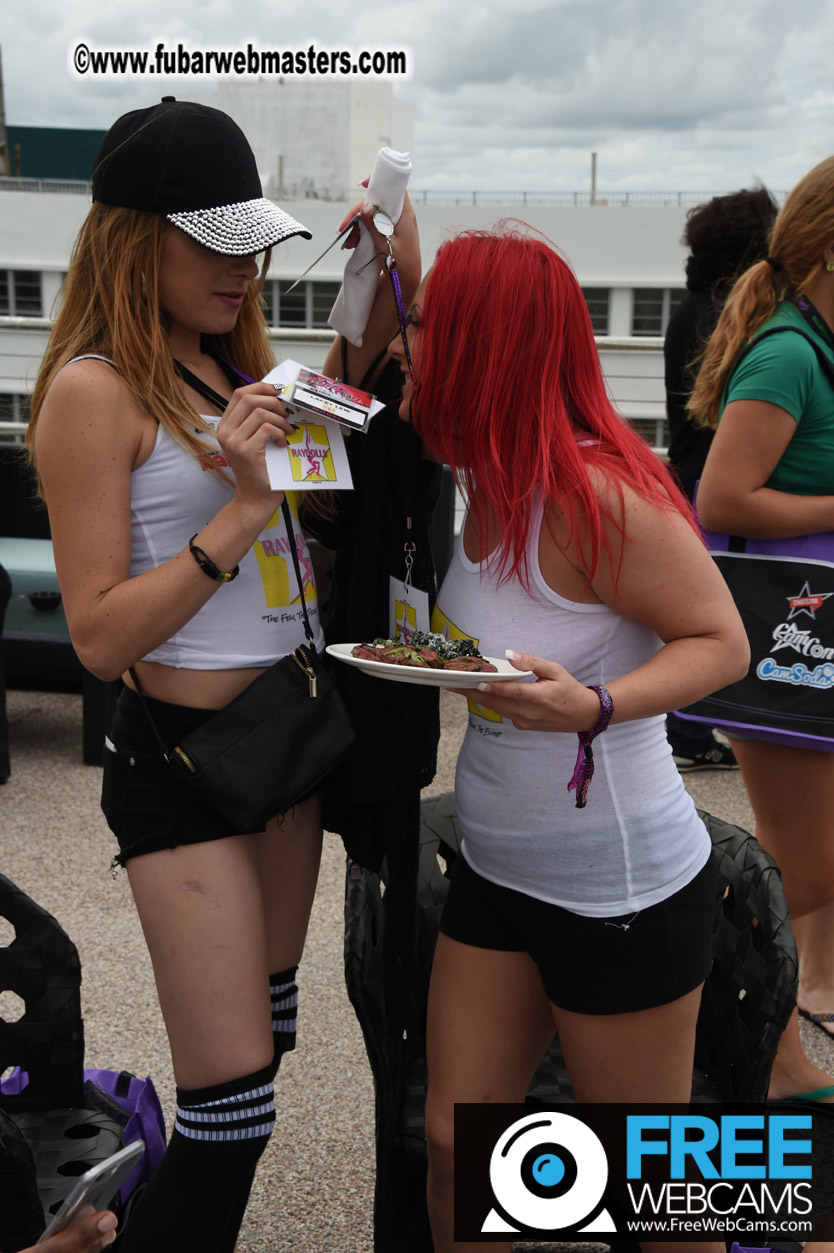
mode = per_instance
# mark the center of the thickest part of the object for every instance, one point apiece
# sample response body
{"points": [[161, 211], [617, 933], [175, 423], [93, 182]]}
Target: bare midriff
{"points": [[199, 689]]}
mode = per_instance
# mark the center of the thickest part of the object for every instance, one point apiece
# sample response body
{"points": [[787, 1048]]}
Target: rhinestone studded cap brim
{"points": [[238, 230]]}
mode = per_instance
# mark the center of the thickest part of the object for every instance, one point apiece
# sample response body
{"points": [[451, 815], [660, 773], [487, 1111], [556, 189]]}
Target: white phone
{"points": [[95, 1189]]}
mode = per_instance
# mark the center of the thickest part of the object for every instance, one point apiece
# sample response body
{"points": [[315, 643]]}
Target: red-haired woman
{"points": [[580, 555]]}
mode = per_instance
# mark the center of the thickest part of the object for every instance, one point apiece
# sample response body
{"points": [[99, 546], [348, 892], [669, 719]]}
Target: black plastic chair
{"points": [[5, 596], [68, 1127], [747, 1001]]}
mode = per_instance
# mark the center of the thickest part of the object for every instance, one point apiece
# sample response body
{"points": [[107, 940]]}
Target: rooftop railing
{"points": [[546, 199]]}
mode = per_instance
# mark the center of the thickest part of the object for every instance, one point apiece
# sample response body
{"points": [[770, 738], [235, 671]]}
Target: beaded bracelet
{"points": [[584, 769], [207, 565]]}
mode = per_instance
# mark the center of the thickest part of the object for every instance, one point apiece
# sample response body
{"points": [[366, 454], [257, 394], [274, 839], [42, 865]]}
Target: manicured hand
{"points": [[404, 226], [254, 418], [556, 701]]}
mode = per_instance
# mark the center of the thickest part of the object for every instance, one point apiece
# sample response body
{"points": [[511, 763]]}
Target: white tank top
{"points": [[639, 839], [251, 621]]}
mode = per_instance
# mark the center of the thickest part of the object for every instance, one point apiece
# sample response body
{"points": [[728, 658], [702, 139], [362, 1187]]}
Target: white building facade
{"points": [[629, 262]]}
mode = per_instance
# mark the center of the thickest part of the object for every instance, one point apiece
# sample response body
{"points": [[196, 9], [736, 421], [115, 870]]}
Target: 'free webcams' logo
{"points": [[548, 1171], [616, 1170]]}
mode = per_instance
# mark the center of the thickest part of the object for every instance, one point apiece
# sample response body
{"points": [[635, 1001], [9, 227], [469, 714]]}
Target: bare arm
{"points": [[668, 582], [748, 445], [383, 323], [90, 436]]}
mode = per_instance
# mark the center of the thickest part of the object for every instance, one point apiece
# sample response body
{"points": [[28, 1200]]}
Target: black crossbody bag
{"points": [[274, 744]]}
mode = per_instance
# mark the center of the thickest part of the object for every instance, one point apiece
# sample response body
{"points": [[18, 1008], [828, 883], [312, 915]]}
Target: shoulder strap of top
{"points": [[92, 356]]}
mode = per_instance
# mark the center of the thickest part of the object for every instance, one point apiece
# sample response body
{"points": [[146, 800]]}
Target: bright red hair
{"points": [[509, 386]]}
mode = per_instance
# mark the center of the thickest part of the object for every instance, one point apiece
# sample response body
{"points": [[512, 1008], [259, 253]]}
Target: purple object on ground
{"points": [[139, 1100]]}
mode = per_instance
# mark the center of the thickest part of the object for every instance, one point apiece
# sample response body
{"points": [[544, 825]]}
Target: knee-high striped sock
{"points": [[283, 994], [195, 1201], [227, 1112]]}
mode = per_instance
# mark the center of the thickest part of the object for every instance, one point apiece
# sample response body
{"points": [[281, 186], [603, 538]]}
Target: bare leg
{"points": [[792, 794], [489, 1023], [202, 913], [288, 855], [815, 934], [216, 917], [604, 1071]]}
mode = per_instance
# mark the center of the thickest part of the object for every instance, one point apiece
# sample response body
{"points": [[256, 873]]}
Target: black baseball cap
{"points": [[193, 165]]}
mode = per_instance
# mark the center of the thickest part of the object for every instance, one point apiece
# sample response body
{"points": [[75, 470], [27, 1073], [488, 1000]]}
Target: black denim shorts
{"points": [[592, 965], [146, 806]]}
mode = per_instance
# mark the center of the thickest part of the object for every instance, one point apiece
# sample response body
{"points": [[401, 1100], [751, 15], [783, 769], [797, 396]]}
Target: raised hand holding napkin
{"points": [[386, 189]]}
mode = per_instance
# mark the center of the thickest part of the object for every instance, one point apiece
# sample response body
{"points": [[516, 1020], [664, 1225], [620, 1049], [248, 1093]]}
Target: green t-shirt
{"points": [[784, 371]]}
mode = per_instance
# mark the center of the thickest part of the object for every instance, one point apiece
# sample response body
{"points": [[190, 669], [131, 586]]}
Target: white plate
{"points": [[432, 678]]}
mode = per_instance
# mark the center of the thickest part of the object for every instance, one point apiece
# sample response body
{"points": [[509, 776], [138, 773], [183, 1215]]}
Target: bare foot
{"points": [[816, 1002], [824, 1019]]}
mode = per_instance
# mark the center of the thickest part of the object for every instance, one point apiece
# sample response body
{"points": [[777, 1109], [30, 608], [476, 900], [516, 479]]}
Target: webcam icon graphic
{"points": [[548, 1172]]}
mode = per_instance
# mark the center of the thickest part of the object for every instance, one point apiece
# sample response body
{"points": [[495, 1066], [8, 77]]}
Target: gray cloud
{"points": [[506, 93]]}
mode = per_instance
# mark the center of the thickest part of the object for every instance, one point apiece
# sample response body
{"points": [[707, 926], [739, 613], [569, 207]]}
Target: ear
{"points": [[828, 256]]}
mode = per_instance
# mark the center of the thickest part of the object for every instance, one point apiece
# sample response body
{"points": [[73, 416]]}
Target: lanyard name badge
{"points": [[409, 607]]}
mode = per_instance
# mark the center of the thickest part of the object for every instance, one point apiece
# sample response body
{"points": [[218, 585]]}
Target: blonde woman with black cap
{"points": [[157, 494]]}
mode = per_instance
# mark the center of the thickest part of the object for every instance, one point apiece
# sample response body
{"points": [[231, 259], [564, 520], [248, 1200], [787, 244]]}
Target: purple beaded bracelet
{"points": [[584, 768]]}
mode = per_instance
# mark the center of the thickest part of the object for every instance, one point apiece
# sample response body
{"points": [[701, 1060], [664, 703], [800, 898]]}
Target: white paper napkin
{"points": [[386, 188]]}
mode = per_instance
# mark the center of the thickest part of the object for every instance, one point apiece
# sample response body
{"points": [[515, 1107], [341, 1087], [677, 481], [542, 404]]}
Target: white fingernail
{"points": [[484, 687], [511, 654]]}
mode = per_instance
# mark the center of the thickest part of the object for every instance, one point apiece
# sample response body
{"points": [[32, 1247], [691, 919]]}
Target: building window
{"points": [[598, 299], [652, 308], [14, 417], [307, 305], [20, 293], [655, 431], [323, 297]]}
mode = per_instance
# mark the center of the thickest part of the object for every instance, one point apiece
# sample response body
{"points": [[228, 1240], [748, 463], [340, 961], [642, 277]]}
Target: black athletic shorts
{"points": [[592, 965]]}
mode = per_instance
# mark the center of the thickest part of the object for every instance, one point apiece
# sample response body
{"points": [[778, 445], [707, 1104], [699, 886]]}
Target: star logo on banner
{"points": [[807, 602]]}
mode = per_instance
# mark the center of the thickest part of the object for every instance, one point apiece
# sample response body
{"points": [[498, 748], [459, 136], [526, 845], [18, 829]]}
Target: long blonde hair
{"points": [[804, 227], [111, 306]]}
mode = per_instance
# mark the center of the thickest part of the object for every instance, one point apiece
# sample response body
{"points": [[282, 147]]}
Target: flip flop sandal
{"points": [[819, 1020], [817, 1098]]}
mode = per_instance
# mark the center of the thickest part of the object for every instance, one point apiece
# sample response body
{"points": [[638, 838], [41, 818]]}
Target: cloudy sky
{"points": [[671, 94]]}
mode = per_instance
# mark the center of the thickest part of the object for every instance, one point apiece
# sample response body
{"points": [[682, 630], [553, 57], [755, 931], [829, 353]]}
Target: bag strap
{"points": [[163, 747], [220, 402], [825, 363], [197, 384]]}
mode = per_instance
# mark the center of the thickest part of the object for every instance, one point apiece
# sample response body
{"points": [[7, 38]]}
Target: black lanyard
{"points": [[208, 393], [815, 319], [202, 389]]}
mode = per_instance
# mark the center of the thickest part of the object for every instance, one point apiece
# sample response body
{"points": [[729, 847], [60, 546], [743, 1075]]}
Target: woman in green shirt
{"points": [[770, 474]]}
